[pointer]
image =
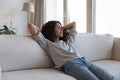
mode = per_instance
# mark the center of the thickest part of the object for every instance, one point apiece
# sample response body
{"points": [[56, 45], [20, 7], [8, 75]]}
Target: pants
{"points": [[83, 69]]}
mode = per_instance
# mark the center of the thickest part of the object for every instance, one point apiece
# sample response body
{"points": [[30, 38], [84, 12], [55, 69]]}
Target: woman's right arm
{"points": [[37, 35], [34, 30]]}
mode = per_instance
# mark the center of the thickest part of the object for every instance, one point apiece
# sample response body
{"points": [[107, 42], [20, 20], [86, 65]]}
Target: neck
{"points": [[56, 39]]}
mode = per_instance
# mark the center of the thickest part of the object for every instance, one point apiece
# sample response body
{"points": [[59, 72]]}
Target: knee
{"points": [[111, 78]]}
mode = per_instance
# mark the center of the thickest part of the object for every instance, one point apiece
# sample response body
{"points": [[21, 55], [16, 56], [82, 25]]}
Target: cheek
{"points": [[56, 32]]}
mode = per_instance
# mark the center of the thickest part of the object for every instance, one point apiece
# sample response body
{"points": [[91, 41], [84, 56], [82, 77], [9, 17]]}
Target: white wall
{"points": [[11, 10], [51, 10]]}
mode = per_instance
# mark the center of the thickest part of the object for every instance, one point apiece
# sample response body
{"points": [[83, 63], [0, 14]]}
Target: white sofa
{"points": [[21, 58]]}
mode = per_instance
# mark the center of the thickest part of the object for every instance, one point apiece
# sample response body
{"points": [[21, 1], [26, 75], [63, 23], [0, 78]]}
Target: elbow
{"points": [[74, 26]]}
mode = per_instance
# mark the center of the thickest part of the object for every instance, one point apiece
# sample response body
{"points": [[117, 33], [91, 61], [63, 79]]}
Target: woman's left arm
{"points": [[72, 31], [70, 26]]}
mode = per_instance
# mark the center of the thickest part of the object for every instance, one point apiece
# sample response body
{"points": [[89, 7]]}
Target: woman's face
{"points": [[58, 30]]}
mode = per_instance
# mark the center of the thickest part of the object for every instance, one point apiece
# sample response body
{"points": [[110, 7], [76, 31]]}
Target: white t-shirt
{"points": [[61, 51]]}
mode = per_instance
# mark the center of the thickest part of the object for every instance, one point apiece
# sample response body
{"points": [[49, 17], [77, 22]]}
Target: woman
{"points": [[57, 42]]}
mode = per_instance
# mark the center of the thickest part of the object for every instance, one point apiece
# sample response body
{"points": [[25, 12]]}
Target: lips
{"points": [[61, 33]]}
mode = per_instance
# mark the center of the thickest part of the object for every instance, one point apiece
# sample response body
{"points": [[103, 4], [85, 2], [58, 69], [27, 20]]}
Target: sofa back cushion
{"points": [[94, 46], [21, 52]]}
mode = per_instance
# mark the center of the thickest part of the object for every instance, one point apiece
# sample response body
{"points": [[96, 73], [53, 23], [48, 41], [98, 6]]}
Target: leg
{"points": [[78, 69], [100, 73]]}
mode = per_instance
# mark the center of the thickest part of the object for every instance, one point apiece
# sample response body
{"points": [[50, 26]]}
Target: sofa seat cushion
{"points": [[36, 74], [111, 66]]}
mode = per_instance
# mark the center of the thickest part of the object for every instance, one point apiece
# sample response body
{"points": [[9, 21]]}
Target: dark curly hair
{"points": [[48, 31]]}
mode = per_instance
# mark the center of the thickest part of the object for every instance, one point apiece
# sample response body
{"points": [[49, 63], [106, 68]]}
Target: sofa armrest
{"points": [[116, 49]]}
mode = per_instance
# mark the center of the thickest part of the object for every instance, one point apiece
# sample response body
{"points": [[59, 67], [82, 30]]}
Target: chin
{"points": [[61, 36]]}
